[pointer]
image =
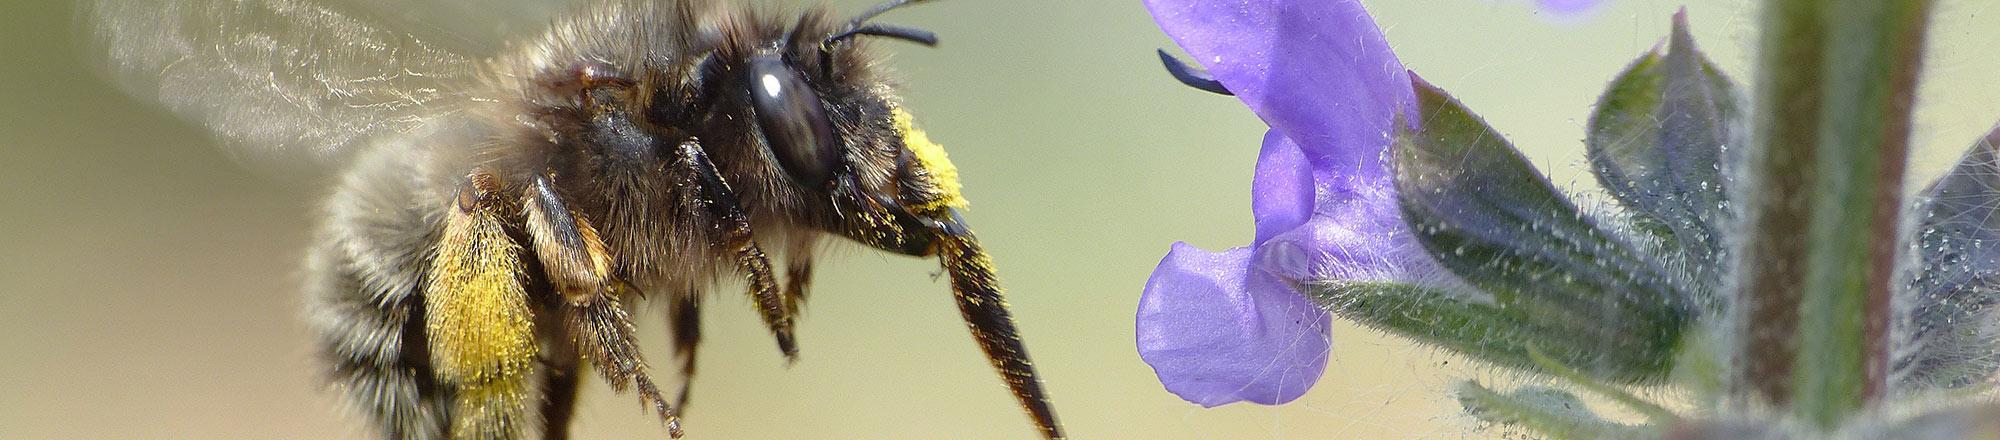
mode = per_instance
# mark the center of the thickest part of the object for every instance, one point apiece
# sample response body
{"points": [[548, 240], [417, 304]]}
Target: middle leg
{"points": [[684, 314], [734, 232], [578, 267]]}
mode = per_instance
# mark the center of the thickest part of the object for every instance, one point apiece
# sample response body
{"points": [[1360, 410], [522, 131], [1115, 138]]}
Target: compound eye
{"points": [[794, 126]]}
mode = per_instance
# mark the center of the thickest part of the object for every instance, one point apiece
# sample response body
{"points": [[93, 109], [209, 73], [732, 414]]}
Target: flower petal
{"points": [[1318, 71], [1357, 237], [1281, 193], [1217, 331]]}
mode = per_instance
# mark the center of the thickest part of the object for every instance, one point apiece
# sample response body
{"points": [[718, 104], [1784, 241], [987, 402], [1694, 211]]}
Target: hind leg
{"points": [[559, 389], [590, 300]]}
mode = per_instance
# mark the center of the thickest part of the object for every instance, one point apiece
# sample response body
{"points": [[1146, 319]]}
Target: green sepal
{"points": [[1483, 212], [1956, 287], [1502, 336], [1657, 143]]}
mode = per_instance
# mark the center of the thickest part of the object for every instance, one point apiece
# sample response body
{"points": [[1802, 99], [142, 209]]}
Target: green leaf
{"points": [[1658, 141], [1957, 284], [1653, 411], [1478, 206], [1506, 337], [1549, 411]]}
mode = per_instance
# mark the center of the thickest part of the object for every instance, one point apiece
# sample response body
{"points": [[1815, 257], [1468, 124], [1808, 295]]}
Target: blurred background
{"points": [[148, 283]]}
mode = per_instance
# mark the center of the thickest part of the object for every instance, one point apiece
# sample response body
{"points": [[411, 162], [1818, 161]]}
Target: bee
{"points": [[497, 218]]}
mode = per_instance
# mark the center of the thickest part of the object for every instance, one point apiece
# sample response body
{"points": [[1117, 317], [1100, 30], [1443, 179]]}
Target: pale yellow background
{"points": [[148, 284]]}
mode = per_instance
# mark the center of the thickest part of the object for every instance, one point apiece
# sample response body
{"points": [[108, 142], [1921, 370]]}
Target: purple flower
{"points": [[1569, 7], [1226, 327]]}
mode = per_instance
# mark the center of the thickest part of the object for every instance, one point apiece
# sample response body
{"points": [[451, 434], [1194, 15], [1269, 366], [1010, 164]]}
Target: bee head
{"points": [[809, 92], [811, 98]]}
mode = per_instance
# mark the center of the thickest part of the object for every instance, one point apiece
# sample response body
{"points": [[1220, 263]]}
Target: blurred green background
{"points": [[148, 282]]}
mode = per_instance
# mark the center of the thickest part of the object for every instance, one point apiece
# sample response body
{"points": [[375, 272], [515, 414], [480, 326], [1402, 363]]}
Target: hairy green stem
{"points": [[1833, 124], [1788, 101]]}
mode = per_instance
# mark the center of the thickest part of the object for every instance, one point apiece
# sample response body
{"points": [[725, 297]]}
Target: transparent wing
{"points": [[472, 27], [279, 79]]}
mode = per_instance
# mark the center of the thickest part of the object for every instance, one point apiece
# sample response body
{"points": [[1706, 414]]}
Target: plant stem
{"points": [[1780, 174], [1833, 124], [1875, 47]]}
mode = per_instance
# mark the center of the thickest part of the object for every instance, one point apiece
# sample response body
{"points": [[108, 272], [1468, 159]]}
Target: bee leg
{"points": [[879, 222], [889, 226], [685, 317], [559, 389], [735, 233], [798, 274], [980, 302], [480, 328], [579, 268]]}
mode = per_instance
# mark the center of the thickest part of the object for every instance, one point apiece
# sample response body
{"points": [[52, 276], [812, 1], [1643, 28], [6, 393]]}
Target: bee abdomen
{"points": [[374, 353], [364, 302]]}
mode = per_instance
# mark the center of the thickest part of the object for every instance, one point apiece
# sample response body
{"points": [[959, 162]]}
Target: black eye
{"points": [[794, 126]]}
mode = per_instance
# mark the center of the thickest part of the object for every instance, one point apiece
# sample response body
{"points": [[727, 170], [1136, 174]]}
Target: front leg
{"points": [[732, 229]]}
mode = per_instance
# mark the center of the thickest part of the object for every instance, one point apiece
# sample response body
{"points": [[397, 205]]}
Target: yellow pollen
{"points": [[931, 157]]}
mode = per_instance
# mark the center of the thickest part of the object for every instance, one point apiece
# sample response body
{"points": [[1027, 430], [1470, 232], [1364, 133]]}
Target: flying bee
{"points": [[498, 218]]}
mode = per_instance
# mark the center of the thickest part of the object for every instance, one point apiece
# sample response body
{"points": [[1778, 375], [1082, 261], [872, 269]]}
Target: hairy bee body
{"points": [[363, 288], [487, 249]]}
